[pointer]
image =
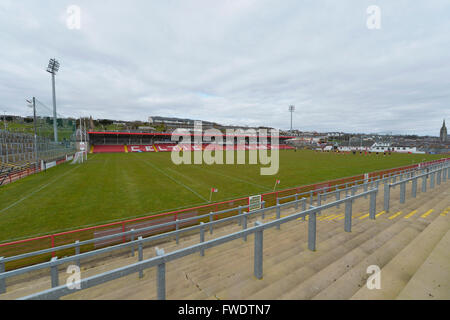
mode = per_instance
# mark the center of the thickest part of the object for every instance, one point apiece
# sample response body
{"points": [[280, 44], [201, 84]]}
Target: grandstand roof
{"points": [[169, 134]]}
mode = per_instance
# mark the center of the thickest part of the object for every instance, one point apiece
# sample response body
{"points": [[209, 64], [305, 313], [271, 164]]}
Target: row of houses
{"points": [[377, 147]]}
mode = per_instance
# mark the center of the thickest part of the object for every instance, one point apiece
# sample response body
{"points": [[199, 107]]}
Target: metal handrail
{"points": [[117, 235], [92, 281], [419, 176], [355, 182], [132, 243], [443, 170], [59, 291], [55, 262], [177, 222]]}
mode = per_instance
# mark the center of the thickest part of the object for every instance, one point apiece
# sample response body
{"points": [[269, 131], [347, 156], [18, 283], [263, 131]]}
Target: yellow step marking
{"points": [[444, 213], [302, 218], [379, 214], [353, 216], [322, 217], [319, 217], [364, 216], [275, 216], [325, 217], [331, 217], [409, 215], [395, 215], [426, 214], [338, 217]]}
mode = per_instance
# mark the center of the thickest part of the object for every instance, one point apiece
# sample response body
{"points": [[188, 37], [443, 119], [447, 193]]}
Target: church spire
{"points": [[443, 133]]}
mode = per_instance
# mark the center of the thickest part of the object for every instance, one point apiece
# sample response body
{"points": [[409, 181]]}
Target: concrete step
{"points": [[338, 261], [396, 274], [279, 265], [432, 279], [175, 271], [220, 256], [266, 293], [280, 279], [354, 279], [200, 293]]}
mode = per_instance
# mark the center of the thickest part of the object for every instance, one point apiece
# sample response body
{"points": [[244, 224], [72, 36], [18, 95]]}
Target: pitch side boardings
{"points": [[141, 148], [187, 147]]}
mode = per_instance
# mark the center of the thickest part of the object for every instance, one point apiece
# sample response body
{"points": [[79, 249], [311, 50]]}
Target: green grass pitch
{"points": [[112, 187]]}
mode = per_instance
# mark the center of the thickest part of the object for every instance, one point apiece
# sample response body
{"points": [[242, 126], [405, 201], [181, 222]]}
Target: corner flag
{"points": [[210, 194], [276, 182]]}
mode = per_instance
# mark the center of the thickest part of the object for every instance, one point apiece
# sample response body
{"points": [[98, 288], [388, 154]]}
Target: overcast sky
{"points": [[234, 61]]}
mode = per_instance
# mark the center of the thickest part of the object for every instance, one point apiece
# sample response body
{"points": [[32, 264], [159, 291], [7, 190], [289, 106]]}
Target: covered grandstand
{"points": [[112, 142]]}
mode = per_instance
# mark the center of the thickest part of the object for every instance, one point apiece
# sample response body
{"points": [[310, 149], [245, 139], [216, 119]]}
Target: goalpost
{"points": [[78, 157], [81, 156]]}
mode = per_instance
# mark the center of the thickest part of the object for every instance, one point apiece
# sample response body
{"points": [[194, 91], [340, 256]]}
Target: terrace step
{"points": [[288, 282], [432, 279], [216, 256], [349, 283], [243, 286], [396, 274], [280, 254], [178, 271]]}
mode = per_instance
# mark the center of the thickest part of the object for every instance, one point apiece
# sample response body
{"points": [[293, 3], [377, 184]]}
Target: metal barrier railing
{"points": [[162, 258], [67, 237], [321, 195], [441, 173]]}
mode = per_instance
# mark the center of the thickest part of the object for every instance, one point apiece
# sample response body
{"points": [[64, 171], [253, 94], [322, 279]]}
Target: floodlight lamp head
{"points": [[291, 108], [53, 66]]}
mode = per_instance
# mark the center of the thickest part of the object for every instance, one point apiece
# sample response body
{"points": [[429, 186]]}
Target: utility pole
{"points": [[85, 139], [32, 104], [81, 133], [35, 133]]}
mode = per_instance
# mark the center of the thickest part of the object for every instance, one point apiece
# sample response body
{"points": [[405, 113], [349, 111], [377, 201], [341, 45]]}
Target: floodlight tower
{"points": [[53, 67], [291, 110]]}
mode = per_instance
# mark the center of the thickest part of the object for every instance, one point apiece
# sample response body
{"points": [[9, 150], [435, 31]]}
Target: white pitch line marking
{"points": [[174, 180], [37, 190]]}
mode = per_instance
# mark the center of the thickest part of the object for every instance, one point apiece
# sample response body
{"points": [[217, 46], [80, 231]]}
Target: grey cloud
{"points": [[235, 62]]}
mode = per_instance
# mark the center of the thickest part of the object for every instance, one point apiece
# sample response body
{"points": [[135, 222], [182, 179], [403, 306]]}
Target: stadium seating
{"points": [[11, 172], [168, 147], [108, 148]]}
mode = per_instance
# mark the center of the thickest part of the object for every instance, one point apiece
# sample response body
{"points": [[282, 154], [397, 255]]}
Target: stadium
{"points": [[126, 198], [234, 207]]}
